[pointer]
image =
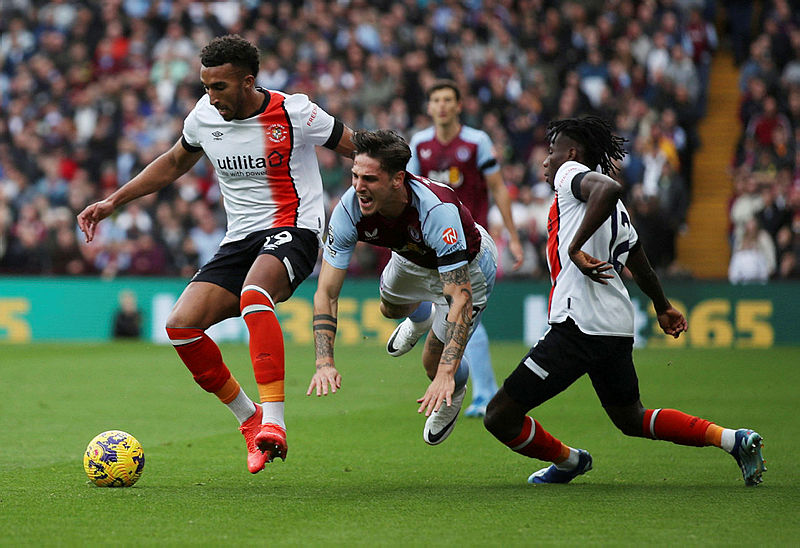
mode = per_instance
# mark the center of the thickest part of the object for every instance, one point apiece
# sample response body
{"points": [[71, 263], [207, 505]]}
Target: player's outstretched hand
{"points": [[672, 322], [93, 214], [326, 376], [517, 251], [591, 267], [439, 392]]}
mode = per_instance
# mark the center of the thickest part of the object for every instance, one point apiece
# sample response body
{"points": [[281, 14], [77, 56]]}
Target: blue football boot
{"points": [[747, 452], [551, 474]]}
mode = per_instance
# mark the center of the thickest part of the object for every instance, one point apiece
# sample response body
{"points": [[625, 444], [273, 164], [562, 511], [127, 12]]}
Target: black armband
{"points": [[324, 327]]}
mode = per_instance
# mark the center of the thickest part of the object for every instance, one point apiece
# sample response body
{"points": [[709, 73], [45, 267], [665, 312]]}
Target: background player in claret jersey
{"points": [[261, 144], [462, 157], [590, 241], [439, 254]]}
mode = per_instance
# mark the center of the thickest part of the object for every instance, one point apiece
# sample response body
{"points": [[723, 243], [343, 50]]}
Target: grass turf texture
{"points": [[358, 471]]}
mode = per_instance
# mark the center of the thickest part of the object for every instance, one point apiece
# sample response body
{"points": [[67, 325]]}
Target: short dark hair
{"points": [[232, 49], [384, 145], [594, 135], [443, 84]]}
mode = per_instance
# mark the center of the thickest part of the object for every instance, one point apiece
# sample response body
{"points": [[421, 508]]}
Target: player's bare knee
{"points": [[396, 311], [496, 421], [629, 424], [176, 321]]}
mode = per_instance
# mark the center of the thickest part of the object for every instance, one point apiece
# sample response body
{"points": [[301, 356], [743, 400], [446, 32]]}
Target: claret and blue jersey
{"points": [[434, 231]]}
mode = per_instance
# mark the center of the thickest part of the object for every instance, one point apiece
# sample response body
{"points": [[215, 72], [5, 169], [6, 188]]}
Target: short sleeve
{"points": [[487, 160], [190, 131], [564, 177], [413, 163], [315, 124], [443, 232], [341, 239]]}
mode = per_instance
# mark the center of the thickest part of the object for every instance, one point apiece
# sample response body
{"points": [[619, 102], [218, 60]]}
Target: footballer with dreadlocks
{"points": [[591, 316]]}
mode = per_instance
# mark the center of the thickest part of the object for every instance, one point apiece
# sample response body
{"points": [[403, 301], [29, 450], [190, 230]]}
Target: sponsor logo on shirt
{"points": [[452, 176], [217, 135], [241, 162], [313, 115], [450, 236]]}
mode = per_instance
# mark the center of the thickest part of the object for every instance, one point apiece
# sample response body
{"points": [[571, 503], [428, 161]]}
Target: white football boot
{"points": [[406, 335], [441, 422]]}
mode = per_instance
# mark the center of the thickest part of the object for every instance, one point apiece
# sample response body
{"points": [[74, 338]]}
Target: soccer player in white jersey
{"points": [[590, 241], [439, 254], [261, 144], [463, 158]]}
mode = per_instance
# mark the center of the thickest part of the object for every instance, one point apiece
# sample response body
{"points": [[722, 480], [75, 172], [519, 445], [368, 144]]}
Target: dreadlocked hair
{"points": [[600, 146]]}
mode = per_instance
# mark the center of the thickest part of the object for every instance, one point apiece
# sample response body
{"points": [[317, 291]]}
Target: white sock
{"points": [[273, 413], [242, 406], [728, 439], [571, 462]]}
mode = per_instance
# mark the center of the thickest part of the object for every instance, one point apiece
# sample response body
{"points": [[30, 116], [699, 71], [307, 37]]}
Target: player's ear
{"points": [[398, 178]]}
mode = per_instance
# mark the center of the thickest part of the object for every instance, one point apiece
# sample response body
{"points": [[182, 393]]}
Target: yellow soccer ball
{"points": [[114, 459]]}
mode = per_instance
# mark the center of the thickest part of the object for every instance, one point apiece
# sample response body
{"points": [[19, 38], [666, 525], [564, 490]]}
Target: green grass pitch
{"points": [[358, 472]]}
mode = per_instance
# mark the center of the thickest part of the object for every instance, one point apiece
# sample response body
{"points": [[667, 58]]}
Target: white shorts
{"points": [[403, 282]]}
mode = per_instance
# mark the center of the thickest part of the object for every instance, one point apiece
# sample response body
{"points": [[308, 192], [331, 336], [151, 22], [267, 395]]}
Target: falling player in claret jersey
{"points": [[590, 241], [463, 158], [261, 144], [438, 254]]}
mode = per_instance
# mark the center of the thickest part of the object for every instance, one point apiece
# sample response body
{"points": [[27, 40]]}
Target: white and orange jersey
{"points": [[266, 165], [595, 308]]}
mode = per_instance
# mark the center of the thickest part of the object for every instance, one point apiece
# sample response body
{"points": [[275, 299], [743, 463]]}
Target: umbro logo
{"points": [[217, 135]]}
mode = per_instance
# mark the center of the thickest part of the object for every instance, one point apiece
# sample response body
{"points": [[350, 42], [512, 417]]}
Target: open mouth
{"points": [[364, 200]]}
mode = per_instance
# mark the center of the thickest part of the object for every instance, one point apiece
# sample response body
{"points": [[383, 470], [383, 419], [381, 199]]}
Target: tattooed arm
{"points": [[326, 303], [458, 292]]}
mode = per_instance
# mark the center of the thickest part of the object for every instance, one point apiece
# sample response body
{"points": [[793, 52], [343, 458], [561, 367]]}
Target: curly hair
{"points": [[384, 145], [600, 146], [232, 49]]}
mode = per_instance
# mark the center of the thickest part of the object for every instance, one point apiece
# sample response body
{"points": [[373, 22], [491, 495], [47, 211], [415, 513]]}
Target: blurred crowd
{"points": [[90, 92], [765, 207]]}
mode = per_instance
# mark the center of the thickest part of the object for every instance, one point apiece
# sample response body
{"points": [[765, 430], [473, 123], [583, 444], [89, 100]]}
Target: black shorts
{"points": [[563, 356], [297, 249]]}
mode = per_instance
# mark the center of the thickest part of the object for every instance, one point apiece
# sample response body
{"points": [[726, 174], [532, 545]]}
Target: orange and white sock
{"points": [[724, 438], [238, 402], [266, 351], [682, 429], [202, 357]]}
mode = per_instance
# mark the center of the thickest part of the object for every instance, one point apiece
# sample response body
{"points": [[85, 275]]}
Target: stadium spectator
{"points": [[127, 322], [274, 217], [753, 258], [108, 92]]}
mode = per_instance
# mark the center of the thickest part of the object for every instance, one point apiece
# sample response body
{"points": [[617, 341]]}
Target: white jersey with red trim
{"points": [[266, 165], [595, 308]]}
